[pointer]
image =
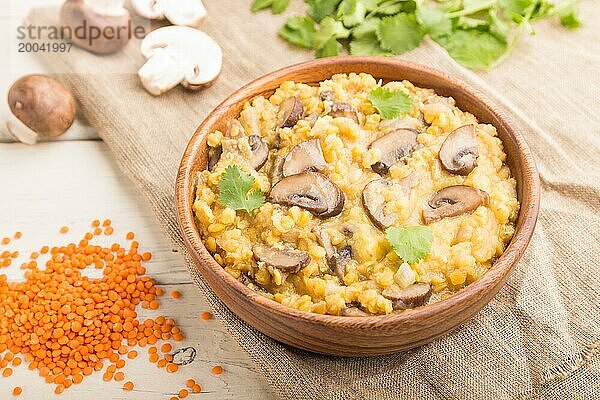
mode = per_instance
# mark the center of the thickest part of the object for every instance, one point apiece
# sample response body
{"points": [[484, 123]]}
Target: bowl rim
{"points": [[498, 272]]}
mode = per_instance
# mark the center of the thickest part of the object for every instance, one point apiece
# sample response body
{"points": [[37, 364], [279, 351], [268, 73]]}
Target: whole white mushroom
{"points": [[178, 12]]}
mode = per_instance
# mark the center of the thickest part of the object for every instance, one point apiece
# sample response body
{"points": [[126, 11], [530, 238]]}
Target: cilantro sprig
{"points": [[411, 243], [235, 190], [390, 103], [479, 34]]}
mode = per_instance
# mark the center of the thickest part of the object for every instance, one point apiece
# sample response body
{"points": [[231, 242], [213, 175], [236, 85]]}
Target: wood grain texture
{"points": [[376, 334], [72, 183]]}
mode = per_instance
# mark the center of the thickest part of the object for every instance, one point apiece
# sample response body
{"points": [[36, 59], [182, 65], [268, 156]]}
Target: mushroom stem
{"points": [[20, 131]]}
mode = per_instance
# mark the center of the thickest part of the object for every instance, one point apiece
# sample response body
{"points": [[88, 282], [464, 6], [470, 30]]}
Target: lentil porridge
{"points": [[359, 206]]}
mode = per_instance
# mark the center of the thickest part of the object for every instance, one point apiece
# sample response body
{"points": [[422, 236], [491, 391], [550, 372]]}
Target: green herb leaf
{"points": [[299, 31], [390, 103], [279, 6], [473, 48], [411, 243], [330, 28], [364, 39], [351, 12], [260, 5], [433, 20], [400, 33], [331, 48], [569, 16], [235, 190], [319, 9]]}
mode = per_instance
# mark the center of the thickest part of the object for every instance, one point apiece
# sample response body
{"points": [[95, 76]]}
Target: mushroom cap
{"points": [[459, 152], [178, 12], [290, 112], [374, 199], [43, 104], [305, 156], [393, 147], [260, 151], [309, 190], [179, 54], [412, 296], [285, 260], [102, 15], [344, 110], [151, 9], [454, 200]]}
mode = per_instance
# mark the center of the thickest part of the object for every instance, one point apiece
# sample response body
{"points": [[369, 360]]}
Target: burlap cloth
{"points": [[538, 339]]}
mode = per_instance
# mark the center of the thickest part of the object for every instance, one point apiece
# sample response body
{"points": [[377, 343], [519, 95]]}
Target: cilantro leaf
{"points": [[569, 16], [299, 31], [351, 12], [260, 5], [390, 103], [411, 243], [331, 48], [400, 33], [319, 9], [473, 48], [330, 28], [365, 41], [279, 6], [235, 190], [433, 20]]}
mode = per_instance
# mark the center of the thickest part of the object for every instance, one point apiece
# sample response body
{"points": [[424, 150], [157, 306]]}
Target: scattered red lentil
{"points": [[190, 383], [165, 348], [132, 354], [206, 316], [128, 386], [7, 372], [109, 231], [64, 229], [174, 398], [172, 368], [217, 370], [18, 235], [183, 393], [197, 388], [5, 240], [130, 236], [175, 294], [17, 391], [119, 376]]}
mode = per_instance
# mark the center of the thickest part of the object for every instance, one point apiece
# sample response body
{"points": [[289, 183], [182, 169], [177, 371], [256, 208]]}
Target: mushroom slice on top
{"points": [[310, 190], [214, 155], [393, 147], [345, 110], [339, 261], [290, 112], [290, 261], [178, 12], [353, 312], [326, 95], [454, 200], [260, 151], [374, 199], [459, 153], [412, 296], [305, 156]]}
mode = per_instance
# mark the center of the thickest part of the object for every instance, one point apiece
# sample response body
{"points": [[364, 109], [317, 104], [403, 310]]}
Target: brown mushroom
{"points": [[260, 151], [374, 201], [108, 24], [324, 241], [412, 296], [276, 172], [393, 147], [214, 155], [290, 112], [353, 312], [312, 119], [326, 95], [344, 110], [452, 201], [459, 152], [310, 190], [41, 107], [290, 261], [305, 156], [339, 261]]}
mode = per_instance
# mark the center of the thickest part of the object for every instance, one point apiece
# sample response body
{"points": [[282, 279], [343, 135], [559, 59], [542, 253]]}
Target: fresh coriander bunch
{"points": [[478, 34]]}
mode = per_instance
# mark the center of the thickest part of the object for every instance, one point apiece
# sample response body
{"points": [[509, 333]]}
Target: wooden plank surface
{"points": [[71, 183]]}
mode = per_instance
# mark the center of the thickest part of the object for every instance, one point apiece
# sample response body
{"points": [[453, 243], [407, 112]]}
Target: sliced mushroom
{"points": [[260, 151], [305, 156], [290, 261], [374, 203], [179, 55], [459, 152], [353, 312], [454, 200], [310, 190], [276, 172], [393, 147], [413, 296], [312, 119], [326, 95], [178, 12], [339, 261], [290, 112], [324, 241], [214, 155], [345, 110]]}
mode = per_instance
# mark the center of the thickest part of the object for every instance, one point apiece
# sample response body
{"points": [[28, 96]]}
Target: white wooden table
{"points": [[71, 183]]}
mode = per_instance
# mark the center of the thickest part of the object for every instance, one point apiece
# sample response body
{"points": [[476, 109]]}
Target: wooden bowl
{"points": [[372, 335]]}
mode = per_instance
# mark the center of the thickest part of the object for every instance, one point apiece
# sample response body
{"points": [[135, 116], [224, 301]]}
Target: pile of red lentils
{"points": [[66, 325]]}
